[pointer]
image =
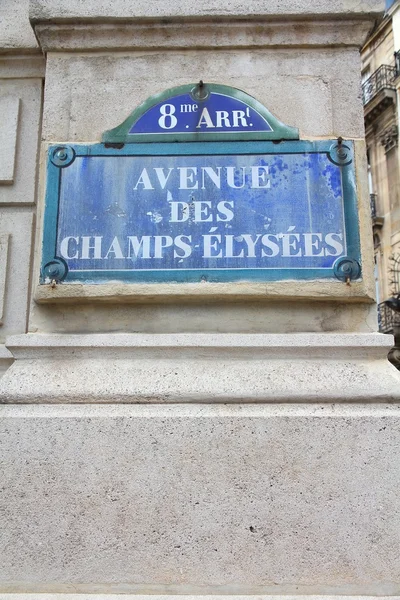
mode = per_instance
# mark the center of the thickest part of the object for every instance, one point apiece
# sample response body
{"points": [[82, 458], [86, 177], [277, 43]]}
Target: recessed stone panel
{"points": [[16, 226], [4, 240], [9, 110], [19, 139]]}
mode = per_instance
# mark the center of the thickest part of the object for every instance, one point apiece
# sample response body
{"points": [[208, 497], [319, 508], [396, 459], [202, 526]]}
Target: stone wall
{"points": [[203, 446]]}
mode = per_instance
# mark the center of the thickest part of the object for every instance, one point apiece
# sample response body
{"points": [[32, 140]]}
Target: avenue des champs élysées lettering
{"points": [[201, 183]]}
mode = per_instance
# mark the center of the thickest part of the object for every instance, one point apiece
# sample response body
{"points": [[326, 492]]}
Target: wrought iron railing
{"points": [[382, 78], [394, 270], [372, 199], [397, 61], [387, 318]]}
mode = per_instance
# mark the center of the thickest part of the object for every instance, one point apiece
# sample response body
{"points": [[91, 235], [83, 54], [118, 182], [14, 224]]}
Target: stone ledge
{"points": [[201, 34], [124, 293], [101, 25], [95, 10], [187, 368], [22, 66], [78, 596], [377, 342]]}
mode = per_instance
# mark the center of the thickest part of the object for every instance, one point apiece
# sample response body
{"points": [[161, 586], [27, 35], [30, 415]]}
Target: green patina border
{"points": [[60, 157], [121, 135]]}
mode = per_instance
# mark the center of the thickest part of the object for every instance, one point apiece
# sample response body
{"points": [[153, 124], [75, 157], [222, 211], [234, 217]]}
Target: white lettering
{"points": [[186, 177], [313, 241], [222, 118], [268, 243], [185, 108], [161, 242], [161, 177], [86, 247], [251, 244], [334, 243], [144, 180], [210, 245], [258, 177], [186, 247], [230, 177], [229, 248], [66, 245], [115, 249], [239, 115], [200, 209], [179, 216], [224, 211], [214, 176], [288, 244], [136, 245], [205, 119], [167, 119]]}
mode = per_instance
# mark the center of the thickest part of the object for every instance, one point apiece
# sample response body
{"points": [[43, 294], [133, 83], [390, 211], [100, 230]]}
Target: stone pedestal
{"points": [[188, 445]]}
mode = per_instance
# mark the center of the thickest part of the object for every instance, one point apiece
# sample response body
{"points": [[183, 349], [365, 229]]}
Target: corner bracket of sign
{"points": [[62, 156], [54, 270], [346, 269], [340, 153], [197, 113]]}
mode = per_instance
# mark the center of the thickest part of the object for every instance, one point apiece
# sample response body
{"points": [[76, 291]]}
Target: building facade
{"points": [[380, 89]]}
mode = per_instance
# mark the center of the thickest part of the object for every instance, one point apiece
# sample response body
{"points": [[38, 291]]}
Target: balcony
{"points": [[387, 318], [397, 60], [379, 91], [372, 199], [376, 220], [382, 78]]}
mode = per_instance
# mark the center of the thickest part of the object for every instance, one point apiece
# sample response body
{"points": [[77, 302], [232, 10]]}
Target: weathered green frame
{"points": [[60, 157]]}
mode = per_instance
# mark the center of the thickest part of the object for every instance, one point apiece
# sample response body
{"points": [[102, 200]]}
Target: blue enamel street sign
{"points": [[193, 212], [154, 203]]}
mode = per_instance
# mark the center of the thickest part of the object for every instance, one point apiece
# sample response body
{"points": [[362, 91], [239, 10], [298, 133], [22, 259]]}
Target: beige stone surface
{"points": [[200, 499], [9, 110], [49, 10], [30, 66], [6, 359], [16, 34], [202, 316], [200, 368], [22, 190], [88, 94], [16, 223], [72, 596]]}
